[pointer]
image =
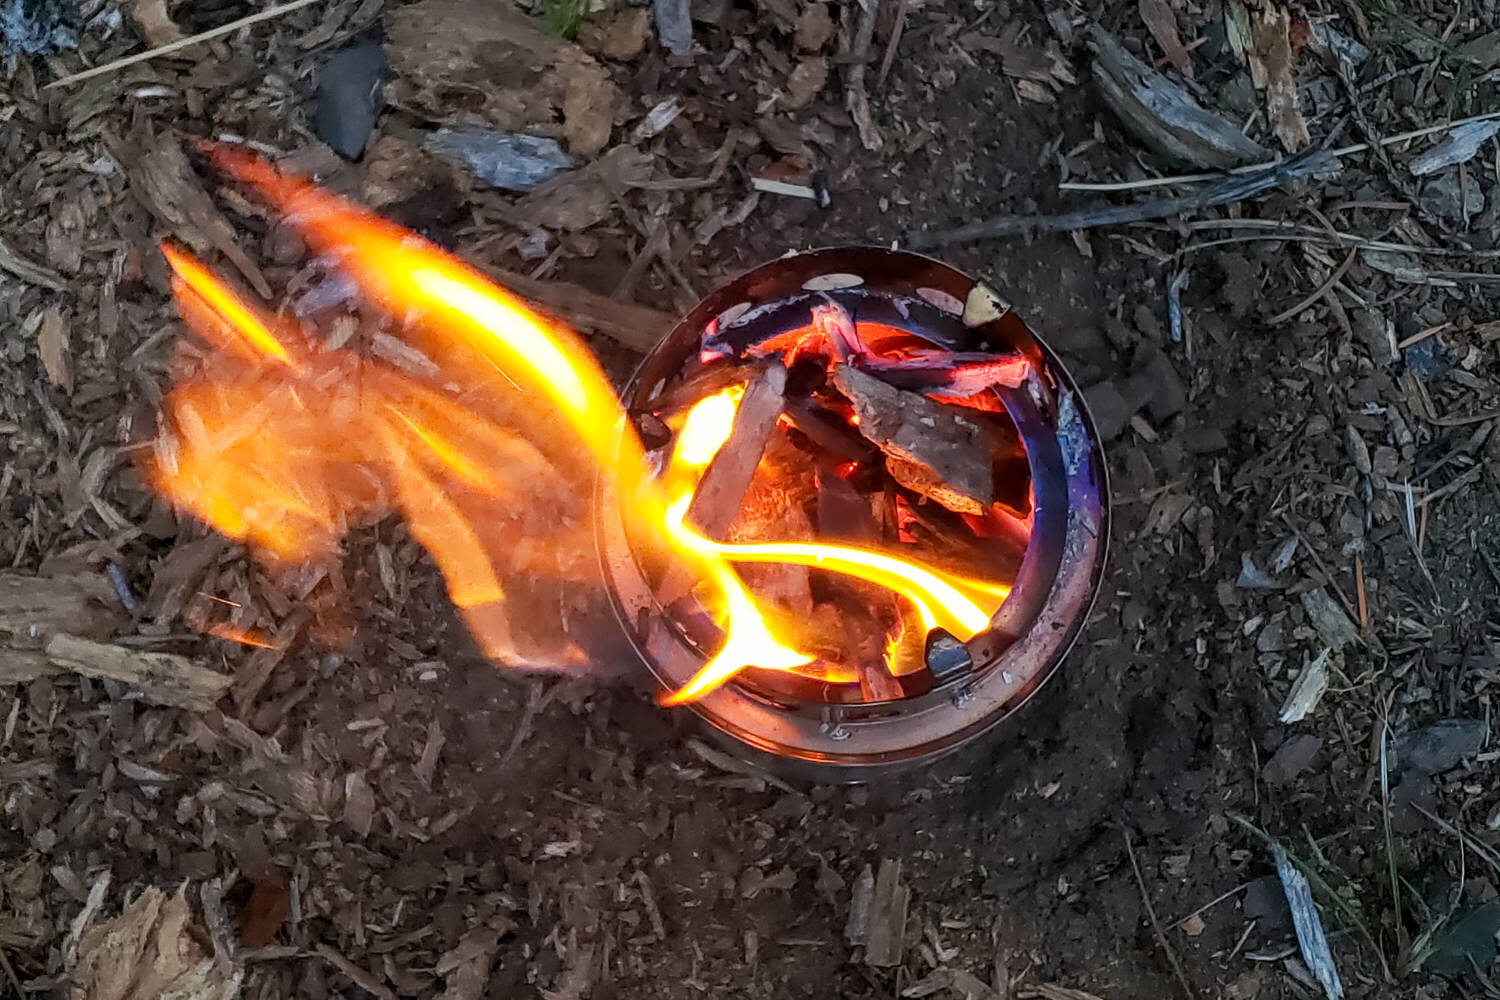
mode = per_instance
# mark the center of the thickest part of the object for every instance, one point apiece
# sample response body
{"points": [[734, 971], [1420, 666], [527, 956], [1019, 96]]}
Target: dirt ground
{"points": [[391, 815]]}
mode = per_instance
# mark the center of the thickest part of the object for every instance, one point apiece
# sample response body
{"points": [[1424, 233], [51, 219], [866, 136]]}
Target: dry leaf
{"points": [[146, 953], [52, 345], [620, 34], [266, 910], [154, 22], [1162, 24], [814, 27], [806, 82], [1271, 69]]}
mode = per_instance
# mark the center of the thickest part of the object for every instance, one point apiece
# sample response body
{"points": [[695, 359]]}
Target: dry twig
{"points": [[1199, 178], [1224, 193], [1161, 937], [183, 43]]}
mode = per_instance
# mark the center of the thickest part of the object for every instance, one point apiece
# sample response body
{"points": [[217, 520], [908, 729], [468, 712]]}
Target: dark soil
{"points": [[578, 822]]}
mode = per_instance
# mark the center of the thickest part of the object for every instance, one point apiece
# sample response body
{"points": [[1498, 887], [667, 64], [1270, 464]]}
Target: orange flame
{"points": [[284, 445], [245, 637]]}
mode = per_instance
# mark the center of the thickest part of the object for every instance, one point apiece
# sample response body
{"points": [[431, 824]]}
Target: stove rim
{"points": [[833, 739]]}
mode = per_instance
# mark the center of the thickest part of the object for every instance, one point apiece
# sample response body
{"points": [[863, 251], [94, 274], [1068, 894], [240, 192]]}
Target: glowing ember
{"points": [[284, 444]]}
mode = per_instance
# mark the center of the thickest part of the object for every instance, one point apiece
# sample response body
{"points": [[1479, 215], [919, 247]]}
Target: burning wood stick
{"points": [[722, 488], [932, 449], [728, 476]]}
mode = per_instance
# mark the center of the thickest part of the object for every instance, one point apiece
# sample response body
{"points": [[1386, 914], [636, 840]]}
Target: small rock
{"points": [[1291, 759], [1205, 441], [508, 161], [1385, 461], [1424, 359], [1110, 409], [1149, 324], [1252, 577], [1085, 343], [1167, 394], [1409, 797], [1272, 638], [351, 85], [1317, 425], [1238, 94], [1439, 747], [1265, 903], [1445, 196], [1242, 284], [1120, 333], [674, 26]]}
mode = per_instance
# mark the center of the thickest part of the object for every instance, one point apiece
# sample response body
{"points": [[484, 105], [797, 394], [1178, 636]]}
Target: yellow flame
{"points": [[705, 429], [939, 603], [287, 455]]}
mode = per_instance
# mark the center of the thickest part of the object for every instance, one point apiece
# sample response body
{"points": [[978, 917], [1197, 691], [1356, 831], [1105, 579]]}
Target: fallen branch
{"points": [[1224, 193]]}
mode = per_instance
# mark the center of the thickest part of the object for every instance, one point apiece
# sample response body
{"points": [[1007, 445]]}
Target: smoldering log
{"points": [[829, 434], [932, 449]]}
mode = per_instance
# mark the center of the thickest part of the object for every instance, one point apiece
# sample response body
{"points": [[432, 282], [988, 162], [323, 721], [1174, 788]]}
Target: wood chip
{"points": [[154, 22], [14, 264], [1162, 23], [636, 327], [356, 975], [52, 345], [35, 608], [1332, 625], [1270, 58], [149, 951], [161, 678], [253, 674], [885, 942], [164, 181], [466, 966]]}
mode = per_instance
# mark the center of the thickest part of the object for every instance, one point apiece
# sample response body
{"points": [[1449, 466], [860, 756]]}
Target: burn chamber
{"points": [[827, 731]]}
